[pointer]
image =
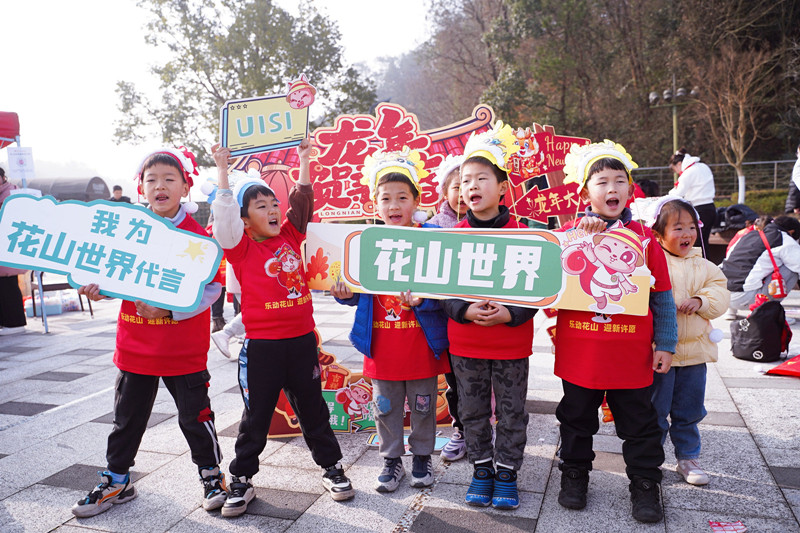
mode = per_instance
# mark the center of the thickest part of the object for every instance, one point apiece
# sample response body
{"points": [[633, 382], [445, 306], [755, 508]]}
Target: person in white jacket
{"points": [[796, 171], [695, 185]]}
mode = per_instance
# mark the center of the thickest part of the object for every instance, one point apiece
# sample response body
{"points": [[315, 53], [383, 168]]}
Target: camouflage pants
{"points": [[509, 379]]}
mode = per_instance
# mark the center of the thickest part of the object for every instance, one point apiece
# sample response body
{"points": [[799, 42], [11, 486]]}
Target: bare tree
{"points": [[740, 88]]}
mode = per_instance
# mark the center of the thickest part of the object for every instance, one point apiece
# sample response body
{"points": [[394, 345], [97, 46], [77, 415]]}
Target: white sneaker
{"points": [[221, 340], [691, 472], [12, 331], [455, 448], [731, 315]]}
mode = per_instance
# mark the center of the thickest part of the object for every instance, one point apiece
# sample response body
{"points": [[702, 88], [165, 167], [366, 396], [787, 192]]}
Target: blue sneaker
{"points": [[505, 495], [480, 490]]}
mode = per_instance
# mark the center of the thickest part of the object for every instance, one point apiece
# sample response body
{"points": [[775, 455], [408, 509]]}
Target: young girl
{"points": [[280, 351], [403, 339], [490, 343], [700, 292], [452, 210]]}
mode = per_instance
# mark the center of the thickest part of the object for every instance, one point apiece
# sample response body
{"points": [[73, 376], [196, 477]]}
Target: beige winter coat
{"points": [[692, 276]]}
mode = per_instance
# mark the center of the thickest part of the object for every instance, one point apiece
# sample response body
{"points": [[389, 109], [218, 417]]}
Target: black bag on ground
{"points": [[737, 216], [763, 335]]}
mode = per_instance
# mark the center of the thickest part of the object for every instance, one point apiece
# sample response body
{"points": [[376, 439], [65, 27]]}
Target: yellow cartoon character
{"points": [[286, 267]]}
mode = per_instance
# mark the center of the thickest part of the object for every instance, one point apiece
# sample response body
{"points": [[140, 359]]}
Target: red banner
{"points": [[339, 153]]}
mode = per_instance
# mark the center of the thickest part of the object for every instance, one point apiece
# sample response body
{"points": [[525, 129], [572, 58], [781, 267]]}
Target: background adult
{"points": [[696, 185], [12, 312], [116, 195], [748, 266], [793, 198]]}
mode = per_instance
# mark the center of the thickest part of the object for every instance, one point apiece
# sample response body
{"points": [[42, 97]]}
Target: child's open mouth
{"points": [[162, 198], [475, 198], [613, 203], [273, 222], [395, 219]]}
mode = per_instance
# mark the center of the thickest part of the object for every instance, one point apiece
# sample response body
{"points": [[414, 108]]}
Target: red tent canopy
{"points": [[9, 128]]}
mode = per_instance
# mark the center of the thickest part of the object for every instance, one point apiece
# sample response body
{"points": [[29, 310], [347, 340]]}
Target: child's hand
{"points": [[486, 313], [690, 306], [341, 291], [221, 156], [591, 224], [91, 291], [148, 311], [494, 314], [662, 361], [472, 312], [408, 300], [304, 149]]}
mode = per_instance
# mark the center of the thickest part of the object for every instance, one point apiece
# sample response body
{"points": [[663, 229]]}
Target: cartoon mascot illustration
{"points": [[356, 398], [286, 267], [300, 93], [392, 305], [605, 264]]}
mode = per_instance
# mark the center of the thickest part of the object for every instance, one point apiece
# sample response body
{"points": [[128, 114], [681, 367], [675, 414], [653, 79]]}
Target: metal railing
{"points": [[759, 175]]}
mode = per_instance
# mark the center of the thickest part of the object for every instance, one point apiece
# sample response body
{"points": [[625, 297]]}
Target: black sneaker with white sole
{"points": [[240, 493], [337, 483]]}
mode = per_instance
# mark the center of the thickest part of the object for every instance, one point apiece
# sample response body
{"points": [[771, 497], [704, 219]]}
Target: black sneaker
{"points": [[240, 493], [104, 495], [214, 490], [217, 324], [645, 504], [337, 483], [421, 471], [574, 485]]}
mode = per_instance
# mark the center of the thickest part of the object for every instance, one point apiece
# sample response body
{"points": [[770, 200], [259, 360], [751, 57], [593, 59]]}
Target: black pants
{"points": [[634, 417], [708, 216], [218, 307], [133, 402], [452, 397], [12, 312], [266, 367]]}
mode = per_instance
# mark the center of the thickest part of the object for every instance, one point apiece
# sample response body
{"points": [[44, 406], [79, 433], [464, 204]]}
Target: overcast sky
{"points": [[61, 62]]}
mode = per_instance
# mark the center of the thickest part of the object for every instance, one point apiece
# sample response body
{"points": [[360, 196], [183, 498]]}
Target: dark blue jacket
{"points": [[429, 315]]}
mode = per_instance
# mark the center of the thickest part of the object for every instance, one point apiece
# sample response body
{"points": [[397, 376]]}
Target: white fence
{"points": [[759, 175]]}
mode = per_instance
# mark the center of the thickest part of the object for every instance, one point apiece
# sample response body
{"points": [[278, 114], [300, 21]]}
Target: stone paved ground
{"points": [[56, 397]]}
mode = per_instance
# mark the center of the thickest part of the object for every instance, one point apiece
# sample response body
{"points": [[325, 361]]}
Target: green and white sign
{"points": [[604, 273], [127, 250], [458, 263]]}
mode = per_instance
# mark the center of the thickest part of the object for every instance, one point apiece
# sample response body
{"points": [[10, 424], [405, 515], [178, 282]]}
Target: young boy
{"points": [[403, 339], [490, 343], [153, 344], [280, 351], [589, 360]]}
